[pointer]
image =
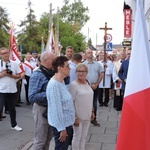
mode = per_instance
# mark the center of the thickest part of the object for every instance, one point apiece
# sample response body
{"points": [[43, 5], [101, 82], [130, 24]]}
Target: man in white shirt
{"points": [[28, 70], [33, 60], [9, 72]]}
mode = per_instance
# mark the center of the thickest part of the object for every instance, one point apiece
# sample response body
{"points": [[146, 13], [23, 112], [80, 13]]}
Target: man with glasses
{"points": [[9, 72], [94, 76]]}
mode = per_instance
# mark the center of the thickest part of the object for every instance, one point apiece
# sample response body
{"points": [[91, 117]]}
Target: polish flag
{"points": [[14, 54], [134, 129]]}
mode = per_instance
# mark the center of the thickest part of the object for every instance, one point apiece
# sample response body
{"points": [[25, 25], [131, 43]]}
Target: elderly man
{"points": [[37, 96], [9, 72], [94, 76]]}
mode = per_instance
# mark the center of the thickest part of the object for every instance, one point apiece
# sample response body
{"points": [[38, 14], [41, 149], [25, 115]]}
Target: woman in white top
{"points": [[82, 95]]}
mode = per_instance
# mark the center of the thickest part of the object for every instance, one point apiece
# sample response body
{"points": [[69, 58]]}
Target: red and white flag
{"points": [[134, 129], [13, 51], [50, 45]]}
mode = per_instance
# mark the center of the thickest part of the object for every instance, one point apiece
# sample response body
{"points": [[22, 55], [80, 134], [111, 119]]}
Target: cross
{"points": [[105, 38]]}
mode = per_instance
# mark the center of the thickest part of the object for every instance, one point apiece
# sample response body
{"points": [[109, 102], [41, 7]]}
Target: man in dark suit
{"points": [[123, 71]]}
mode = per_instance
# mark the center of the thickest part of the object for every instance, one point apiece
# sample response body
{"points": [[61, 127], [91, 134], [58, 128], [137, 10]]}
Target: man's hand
{"points": [[3, 73], [94, 86]]}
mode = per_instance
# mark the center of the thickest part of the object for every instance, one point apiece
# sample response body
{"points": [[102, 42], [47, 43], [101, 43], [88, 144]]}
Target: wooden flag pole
{"points": [[105, 41]]}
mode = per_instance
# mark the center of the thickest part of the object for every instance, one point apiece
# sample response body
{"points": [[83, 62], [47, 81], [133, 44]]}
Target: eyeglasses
{"points": [[83, 72]]}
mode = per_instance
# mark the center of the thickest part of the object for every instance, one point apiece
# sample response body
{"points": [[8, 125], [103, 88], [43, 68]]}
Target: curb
{"points": [[28, 145]]}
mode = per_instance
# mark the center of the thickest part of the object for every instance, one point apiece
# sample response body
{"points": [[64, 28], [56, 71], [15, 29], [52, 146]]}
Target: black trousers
{"points": [[10, 99], [100, 97], [118, 100]]}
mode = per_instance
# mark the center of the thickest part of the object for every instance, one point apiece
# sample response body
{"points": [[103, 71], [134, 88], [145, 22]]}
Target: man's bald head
{"points": [[47, 58]]}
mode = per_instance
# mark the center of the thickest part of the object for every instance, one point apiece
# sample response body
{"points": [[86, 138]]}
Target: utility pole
{"points": [[96, 45], [57, 34], [50, 17], [105, 41]]}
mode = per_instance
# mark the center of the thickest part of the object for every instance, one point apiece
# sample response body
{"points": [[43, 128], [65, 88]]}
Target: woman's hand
{"points": [[76, 123], [63, 135]]}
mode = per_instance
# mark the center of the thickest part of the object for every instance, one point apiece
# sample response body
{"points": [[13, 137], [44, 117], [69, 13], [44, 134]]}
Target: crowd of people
{"points": [[64, 91]]}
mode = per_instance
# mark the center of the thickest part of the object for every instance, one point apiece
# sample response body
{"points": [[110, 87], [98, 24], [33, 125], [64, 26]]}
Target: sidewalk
{"points": [[99, 138]]}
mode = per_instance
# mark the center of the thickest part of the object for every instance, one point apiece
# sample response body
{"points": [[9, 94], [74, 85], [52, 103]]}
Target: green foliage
{"points": [[72, 17], [75, 13], [29, 36], [4, 38]]}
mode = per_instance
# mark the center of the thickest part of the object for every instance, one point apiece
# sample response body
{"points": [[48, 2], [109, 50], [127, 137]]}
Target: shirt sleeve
{"points": [[37, 88], [55, 107], [73, 93]]}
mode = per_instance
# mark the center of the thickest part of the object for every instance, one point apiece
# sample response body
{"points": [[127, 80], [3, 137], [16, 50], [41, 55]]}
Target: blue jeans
{"points": [[58, 144]]}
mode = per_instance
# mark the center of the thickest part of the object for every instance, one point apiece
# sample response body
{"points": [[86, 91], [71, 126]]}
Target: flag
{"points": [[14, 51], [42, 46], [134, 129], [50, 46]]}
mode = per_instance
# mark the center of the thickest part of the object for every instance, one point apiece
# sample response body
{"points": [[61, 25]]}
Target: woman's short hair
{"points": [[59, 61], [80, 65]]}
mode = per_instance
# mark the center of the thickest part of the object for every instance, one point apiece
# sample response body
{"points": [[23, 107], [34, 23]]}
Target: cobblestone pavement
{"points": [[99, 138]]}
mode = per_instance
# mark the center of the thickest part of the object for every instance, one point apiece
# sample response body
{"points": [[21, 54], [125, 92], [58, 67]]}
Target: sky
{"points": [[100, 11]]}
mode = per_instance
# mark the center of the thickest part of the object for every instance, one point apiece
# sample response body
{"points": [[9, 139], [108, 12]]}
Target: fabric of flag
{"points": [[134, 129], [13, 51], [42, 47], [50, 46]]}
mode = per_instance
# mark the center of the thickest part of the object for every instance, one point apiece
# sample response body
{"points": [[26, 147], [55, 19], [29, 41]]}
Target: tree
{"points": [[4, 38], [68, 37], [29, 36], [74, 13]]}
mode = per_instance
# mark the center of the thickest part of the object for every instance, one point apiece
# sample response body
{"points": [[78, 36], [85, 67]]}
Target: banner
{"points": [[14, 51], [50, 46]]}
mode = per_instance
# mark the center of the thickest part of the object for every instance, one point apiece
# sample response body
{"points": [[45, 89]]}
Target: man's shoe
{"points": [[4, 117], [117, 109], [95, 123], [100, 105], [20, 102], [105, 105], [17, 105], [28, 103], [17, 128]]}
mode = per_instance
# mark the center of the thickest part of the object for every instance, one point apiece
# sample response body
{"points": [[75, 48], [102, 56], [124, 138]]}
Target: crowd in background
{"points": [[64, 91]]}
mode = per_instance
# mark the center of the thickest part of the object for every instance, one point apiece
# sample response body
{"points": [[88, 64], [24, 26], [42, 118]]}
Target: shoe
{"points": [[6, 112], [0, 119], [95, 123], [28, 103], [20, 102], [105, 105], [17, 128], [100, 105], [4, 117], [117, 109], [17, 105]]}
